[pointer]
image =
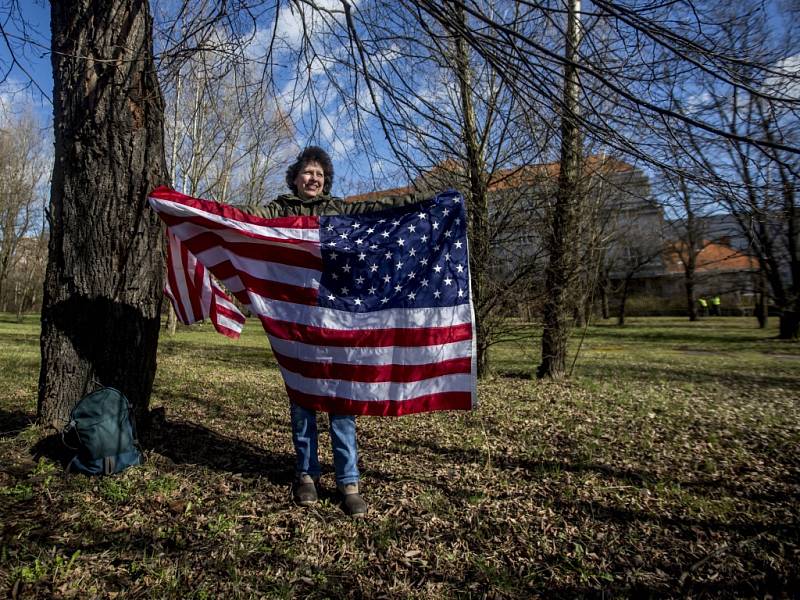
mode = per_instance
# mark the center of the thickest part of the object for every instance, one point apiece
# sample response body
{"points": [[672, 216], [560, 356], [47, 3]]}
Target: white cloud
{"points": [[16, 98], [298, 21], [785, 82]]}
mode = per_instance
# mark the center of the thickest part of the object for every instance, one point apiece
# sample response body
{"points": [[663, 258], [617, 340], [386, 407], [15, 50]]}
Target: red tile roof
{"points": [[713, 257], [505, 179], [380, 194]]}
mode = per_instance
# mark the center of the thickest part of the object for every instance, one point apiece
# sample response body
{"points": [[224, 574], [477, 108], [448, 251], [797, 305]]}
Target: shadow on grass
{"points": [[30, 339], [14, 421], [26, 319], [526, 374], [678, 335], [768, 586], [190, 443], [240, 356], [682, 374], [712, 488]]}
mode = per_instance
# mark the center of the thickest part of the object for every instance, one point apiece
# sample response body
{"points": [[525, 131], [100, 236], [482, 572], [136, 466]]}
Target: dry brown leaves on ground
{"points": [[652, 473]]}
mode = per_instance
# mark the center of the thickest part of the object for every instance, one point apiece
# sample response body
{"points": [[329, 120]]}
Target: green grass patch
{"points": [[668, 465]]}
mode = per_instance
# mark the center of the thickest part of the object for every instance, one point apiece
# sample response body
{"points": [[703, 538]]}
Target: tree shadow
{"points": [[243, 356], [707, 487], [184, 442], [30, 339], [525, 374], [12, 422], [683, 374], [188, 443]]}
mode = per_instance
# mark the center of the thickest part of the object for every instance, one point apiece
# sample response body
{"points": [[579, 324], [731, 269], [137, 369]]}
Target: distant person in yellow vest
{"points": [[703, 306], [715, 303]]}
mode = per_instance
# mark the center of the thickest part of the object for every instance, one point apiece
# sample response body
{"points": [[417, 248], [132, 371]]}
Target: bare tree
{"points": [[562, 263], [227, 140], [343, 65], [634, 251], [23, 166], [687, 228], [757, 184]]}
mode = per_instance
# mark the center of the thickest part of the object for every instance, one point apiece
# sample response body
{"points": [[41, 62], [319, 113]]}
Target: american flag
{"points": [[366, 314]]}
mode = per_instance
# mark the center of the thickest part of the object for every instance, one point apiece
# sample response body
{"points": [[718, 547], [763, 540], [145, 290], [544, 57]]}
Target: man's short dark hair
{"points": [[311, 154]]}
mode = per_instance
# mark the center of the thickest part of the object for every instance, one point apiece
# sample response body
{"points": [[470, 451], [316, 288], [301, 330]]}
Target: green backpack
{"points": [[102, 429]]}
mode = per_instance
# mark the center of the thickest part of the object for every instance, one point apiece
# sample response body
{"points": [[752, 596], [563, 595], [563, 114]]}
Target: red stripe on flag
{"points": [[374, 373], [228, 313], [275, 290], [231, 333], [268, 252], [322, 336], [242, 297], [229, 212], [383, 408], [258, 239]]}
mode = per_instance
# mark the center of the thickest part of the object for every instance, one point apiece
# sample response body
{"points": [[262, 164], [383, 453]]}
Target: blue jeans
{"points": [[343, 442]]}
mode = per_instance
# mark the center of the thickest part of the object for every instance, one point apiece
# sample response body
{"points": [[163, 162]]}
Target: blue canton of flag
{"points": [[409, 257]]}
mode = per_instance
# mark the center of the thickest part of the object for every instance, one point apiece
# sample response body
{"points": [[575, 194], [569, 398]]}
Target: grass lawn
{"points": [[668, 465]]}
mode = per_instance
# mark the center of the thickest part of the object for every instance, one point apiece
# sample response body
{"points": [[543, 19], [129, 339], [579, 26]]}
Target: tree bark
{"points": [[561, 266], [102, 292], [789, 325], [478, 200], [691, 302], [172, 321], [623, 300], [762, 307]]}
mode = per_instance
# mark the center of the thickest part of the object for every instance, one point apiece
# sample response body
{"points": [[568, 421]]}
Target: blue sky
{"points": [[28, 85], [34, 59]]}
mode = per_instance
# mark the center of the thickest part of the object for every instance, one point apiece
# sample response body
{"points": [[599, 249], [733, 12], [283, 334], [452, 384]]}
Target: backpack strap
{"points": [[64, 433]]}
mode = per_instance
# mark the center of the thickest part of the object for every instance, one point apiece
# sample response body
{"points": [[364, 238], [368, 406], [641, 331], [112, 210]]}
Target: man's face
{"points": [[310, 180]]}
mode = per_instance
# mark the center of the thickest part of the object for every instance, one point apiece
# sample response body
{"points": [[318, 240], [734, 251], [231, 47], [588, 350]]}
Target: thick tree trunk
{"points": [[102, 292], [580, 313], [559, 275], [789, 324]]}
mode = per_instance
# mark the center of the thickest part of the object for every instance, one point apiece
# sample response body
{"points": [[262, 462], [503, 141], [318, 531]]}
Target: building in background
{"points": [[627, 240]]}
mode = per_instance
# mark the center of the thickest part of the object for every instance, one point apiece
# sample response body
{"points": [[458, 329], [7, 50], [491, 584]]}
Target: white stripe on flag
{"points": [[229, 323], [206, 292], [386, 355], [366, 392], [331, 318], [182, 275], [262, 269], [223, 302], [182, 210]]}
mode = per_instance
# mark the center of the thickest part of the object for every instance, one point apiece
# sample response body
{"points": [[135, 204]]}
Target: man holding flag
{"points": [[368, 313]]}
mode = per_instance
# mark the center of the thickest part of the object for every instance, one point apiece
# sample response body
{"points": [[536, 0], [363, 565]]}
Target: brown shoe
{"points": [[304, 490], [352, 502]]}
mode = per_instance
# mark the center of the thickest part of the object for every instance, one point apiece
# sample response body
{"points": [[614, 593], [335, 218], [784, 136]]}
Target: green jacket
{"points": [[290, 205]]}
